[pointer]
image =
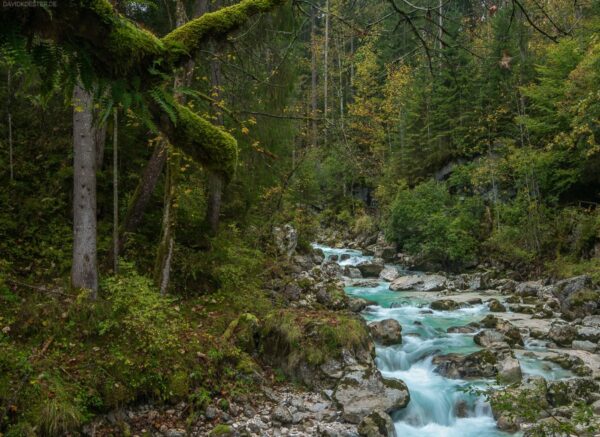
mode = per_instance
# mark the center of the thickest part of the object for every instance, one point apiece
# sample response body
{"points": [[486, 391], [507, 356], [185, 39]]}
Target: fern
{"points": [[165, 101]]}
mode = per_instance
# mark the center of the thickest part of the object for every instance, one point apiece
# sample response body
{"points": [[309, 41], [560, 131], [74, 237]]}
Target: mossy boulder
{"points": [[244, 332], [444, 305], [496, 306], [377, 424], [386, 332], [300, 343]]}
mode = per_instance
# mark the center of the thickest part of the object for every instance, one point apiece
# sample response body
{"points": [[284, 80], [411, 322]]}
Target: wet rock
{"points": [[404, 283], [389, 274], [386, 332], [496, 306], [488, 363], [377, 424], [562, 334], [363, 391], [461, 330], [444, 305], [352, 272], [366, 284], [371, 269], [356, 305], [570, 362], [584, 345], [474, 301], [344, 256], [387, 253], [489, 337]]}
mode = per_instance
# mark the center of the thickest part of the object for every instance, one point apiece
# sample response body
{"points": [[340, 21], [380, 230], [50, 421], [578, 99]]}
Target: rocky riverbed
{"points": [[380, 350]]}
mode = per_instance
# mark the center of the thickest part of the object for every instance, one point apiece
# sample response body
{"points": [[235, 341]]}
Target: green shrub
{"points": [[428, 221]]}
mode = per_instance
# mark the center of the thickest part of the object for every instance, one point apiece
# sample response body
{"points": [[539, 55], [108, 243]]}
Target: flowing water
{"points": [[439, 406]]}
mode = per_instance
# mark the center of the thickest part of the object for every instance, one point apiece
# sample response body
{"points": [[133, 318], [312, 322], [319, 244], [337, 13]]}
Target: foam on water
{"points": [[439, 406]]}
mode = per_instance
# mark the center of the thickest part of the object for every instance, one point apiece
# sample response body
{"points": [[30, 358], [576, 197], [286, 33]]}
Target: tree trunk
{"points": [[213, 209], [84, 272], [215, 180], [326, 62], [164, 256], [313, 70], [115, 192], [10, 135]]}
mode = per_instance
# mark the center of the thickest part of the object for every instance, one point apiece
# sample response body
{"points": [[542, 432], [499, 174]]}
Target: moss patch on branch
{"points": [[205, 142], [216, 24]]}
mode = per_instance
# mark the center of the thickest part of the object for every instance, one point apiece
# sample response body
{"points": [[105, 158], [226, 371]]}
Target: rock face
{"points": [[377, 424], [489, 337], [530, 288], [371, 269], [386, 332], [389, 274], [444, 305], [286, 239], [419, 283]]}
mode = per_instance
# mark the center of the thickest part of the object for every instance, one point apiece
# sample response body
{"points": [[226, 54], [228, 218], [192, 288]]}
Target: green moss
{"points": [[582, 297], [179, 384], [205, 142], [220, 430], [186, 38], [312, 337]]}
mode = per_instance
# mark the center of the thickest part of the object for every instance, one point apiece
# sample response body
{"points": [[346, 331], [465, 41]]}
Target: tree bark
{"points": [[326, 62], [115, 192], [313, 70], [84, 273], [215, 180], [10, 133]]}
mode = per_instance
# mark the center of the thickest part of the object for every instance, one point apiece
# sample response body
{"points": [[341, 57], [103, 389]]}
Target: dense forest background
{"points": [[468, 131]]}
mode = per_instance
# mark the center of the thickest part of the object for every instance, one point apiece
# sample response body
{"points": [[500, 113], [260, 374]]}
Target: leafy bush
{"points": [[429, 222]]}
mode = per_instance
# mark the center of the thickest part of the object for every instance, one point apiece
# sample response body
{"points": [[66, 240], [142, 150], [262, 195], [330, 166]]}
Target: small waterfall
{"points": [[439, 406]]}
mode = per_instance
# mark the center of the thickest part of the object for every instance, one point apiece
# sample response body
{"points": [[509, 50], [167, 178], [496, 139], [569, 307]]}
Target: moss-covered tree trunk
{"points": [[84, 273]]}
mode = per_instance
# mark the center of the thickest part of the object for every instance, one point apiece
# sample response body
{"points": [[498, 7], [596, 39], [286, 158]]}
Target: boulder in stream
{"points": [[386, 332], [371, 269], [444, 305], [377, 424], [419, 283], [389, 274]]}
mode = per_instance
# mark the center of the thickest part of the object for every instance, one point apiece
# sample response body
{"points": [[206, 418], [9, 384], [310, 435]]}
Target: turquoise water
{"points": [[439, 406]]}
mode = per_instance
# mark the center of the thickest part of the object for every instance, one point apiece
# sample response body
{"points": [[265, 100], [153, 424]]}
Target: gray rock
{"points": [[584, 345], [211, 412], [389, 274], [371, 269], [563, 289], [444, 305], [363, 390], [433, 283], [356, 305], [404, 283], [286, 239], [562, 334], [489, 337], [352, 272], [591, 321], [377, 424], [588, 333], [529, 288], [496, 306], [386, 332], [487, 363], [282, 415]]}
